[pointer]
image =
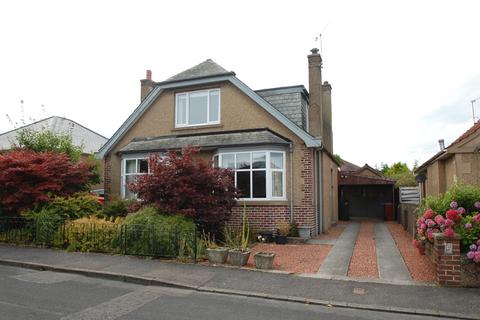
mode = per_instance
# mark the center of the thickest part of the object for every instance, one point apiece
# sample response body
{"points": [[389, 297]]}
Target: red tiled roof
{"points": [[466, 134], [350, 178], [350, 175], [348, 166]]}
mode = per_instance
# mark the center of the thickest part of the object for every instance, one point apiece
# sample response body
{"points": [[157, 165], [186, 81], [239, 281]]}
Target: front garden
{"points": [[449, 217], [44, 201], [179, 212]]}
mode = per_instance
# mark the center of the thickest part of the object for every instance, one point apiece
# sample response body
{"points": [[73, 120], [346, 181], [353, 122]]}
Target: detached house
{"points": [[459, 162], [278, 141]]}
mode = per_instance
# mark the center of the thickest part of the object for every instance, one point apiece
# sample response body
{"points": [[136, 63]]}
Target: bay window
{"points": [[197, 108], [258, 174], [132, 168]]}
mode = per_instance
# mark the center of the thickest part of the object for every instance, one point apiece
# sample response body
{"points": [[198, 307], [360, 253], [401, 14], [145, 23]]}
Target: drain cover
{"points": [[358, 290]]}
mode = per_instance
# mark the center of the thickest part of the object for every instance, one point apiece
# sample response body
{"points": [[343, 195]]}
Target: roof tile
{"points": [[205, 69]]}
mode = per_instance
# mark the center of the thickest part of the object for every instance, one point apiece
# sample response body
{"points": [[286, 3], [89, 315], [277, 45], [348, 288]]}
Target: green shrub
{"points": [[47, 141], [293, 232], [116, 207], [465, 195], [459, 201], [45, 226], [93, 234], [74, 207], [147, 232]]}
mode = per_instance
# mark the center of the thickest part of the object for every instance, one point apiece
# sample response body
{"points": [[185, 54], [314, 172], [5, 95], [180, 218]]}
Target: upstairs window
{"points": [[197, 108]]}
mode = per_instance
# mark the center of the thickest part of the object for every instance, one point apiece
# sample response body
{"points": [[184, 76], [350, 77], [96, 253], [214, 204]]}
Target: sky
{"points": [[403, 73]]}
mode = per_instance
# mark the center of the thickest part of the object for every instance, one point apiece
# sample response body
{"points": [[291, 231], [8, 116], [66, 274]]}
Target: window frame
{"points": [[187, 94], [124, 174], [268, 169]]}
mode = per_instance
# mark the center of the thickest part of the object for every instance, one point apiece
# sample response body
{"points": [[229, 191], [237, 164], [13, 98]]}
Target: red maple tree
{"points": [[180, 183], [29, 178]]}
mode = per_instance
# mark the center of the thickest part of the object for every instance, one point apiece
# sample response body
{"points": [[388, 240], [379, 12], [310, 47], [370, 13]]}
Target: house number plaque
{"points": [[448, 248]]}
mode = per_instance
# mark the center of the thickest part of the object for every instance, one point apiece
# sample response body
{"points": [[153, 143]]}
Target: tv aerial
{"points": [[475, 119]]}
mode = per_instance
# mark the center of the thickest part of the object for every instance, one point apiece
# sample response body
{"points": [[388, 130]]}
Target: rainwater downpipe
{"points": [[320, 190], [291, 182]]}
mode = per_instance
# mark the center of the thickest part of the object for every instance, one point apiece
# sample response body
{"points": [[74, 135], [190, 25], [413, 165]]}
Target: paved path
{"points": [[338, 260], [389, 260]]}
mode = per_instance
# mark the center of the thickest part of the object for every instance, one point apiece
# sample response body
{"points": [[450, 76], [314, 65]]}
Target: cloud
{"points": [[458, 108]]}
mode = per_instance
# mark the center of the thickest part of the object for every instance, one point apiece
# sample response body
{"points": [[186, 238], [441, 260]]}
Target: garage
{"points": [[364, 192]]}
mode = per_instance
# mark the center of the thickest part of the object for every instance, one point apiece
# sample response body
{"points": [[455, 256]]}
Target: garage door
{"points": [[364, 201]]}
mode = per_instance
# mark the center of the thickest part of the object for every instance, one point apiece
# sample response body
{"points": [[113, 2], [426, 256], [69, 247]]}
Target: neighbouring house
{"points": [[457, 163], [278, 141], [87, 139], [364, 192]]}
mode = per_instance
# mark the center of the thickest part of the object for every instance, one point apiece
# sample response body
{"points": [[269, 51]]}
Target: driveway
{"points": [[373, 250]]}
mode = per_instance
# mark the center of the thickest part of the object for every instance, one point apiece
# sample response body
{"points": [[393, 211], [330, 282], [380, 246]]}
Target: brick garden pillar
{"points": [[446, 254]]}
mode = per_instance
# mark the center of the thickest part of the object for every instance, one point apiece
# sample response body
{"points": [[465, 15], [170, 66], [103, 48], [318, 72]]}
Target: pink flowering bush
{"points": [[455, 212], [474, 253]]}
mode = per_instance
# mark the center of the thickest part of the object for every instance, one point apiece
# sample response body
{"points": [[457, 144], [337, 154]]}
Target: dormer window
{"points": [[197, 108]]}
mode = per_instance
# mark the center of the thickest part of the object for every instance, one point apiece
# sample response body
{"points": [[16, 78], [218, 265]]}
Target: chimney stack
{"points": [[327, 130], [320, 107], [441, 143], [146, 85]]}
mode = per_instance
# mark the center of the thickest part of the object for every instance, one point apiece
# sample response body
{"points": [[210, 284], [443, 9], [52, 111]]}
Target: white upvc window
{"points": [[197, 108], [259, 174], [131, 169]]}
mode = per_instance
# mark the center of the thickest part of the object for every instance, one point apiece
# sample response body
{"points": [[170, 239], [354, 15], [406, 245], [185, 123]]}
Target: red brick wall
{"points": [[260, 217], [264, 217], [107, 174], [448, 266], [306, 184], [267, 217]]}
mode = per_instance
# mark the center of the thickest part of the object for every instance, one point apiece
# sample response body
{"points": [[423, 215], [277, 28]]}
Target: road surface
{"points": [[29, 294]]}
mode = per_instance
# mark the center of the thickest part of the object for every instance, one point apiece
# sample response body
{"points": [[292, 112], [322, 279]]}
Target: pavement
{"points": [[459, 303]]}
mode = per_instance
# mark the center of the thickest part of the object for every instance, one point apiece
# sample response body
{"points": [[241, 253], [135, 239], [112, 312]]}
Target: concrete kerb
{"points": [[98, 274], [367, 280], [157, 282]]}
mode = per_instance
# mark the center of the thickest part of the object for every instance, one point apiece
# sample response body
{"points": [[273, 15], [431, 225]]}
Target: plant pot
{"points": [[267, 235], [217, 255], [238, 258], [279, 239], [304, 232], [264, 260]]}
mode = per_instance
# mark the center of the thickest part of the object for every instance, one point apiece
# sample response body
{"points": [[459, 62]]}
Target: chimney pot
{"points": [[441, 143], [314, 51], [149, 75]]}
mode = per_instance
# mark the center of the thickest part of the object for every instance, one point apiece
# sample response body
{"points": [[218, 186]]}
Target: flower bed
{"points": [[456, 213], [296, 258]]}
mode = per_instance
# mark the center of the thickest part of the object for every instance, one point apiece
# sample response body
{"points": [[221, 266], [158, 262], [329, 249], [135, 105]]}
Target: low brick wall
{"points": [[450, 269], [446, 255], [267, 218]]}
